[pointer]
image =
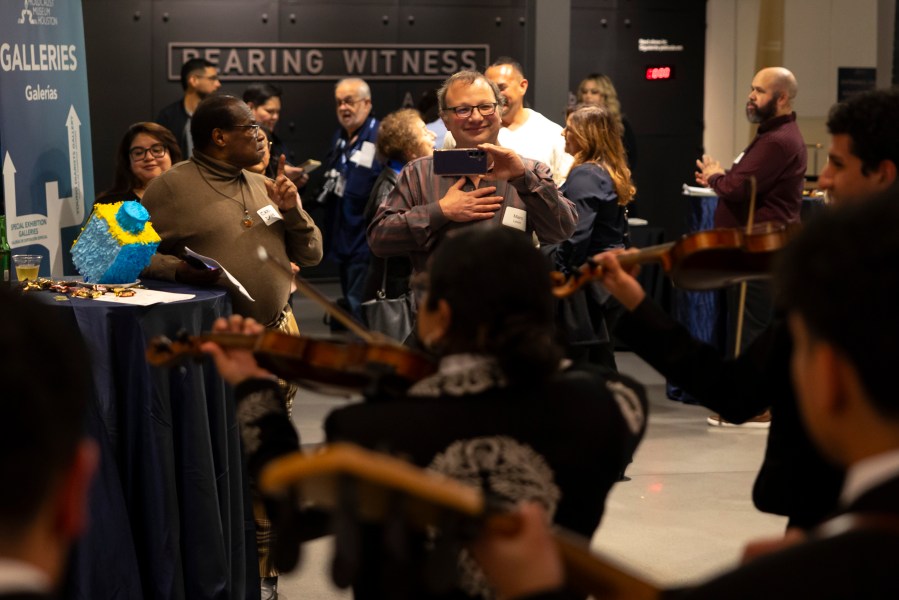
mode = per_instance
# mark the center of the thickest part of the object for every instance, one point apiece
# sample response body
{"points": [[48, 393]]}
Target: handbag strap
{"points": [[382, 292]]}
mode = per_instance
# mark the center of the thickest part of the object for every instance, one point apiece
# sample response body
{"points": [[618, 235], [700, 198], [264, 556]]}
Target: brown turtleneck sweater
{"points": [[198, 204]]}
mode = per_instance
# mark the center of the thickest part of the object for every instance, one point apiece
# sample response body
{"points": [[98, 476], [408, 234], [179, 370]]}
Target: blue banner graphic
{"points": [[45, 143]]}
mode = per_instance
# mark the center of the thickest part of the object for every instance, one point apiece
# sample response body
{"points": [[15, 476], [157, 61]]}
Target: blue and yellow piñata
{"points": [[115, 244]]}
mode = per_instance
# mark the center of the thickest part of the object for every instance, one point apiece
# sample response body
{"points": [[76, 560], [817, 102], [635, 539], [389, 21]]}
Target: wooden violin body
{"points": [[375, 487], [705, 260], [321, 364]]}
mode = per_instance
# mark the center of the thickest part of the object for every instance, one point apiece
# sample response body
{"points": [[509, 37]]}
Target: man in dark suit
{"points": [[46, 463], [793, 480], [839, 284]]}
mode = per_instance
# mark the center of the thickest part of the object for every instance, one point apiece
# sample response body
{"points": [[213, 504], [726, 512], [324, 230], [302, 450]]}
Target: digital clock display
{"points": [[657, 72]]}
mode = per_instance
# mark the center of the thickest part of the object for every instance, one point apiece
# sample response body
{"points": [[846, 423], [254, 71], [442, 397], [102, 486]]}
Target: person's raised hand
{"points": [[620, 282], [476, 205], [506, 163], [236, 365], [282, 191]]}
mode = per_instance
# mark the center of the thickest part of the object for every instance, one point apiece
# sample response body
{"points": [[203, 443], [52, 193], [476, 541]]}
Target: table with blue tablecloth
{"points": [[169, 511]]}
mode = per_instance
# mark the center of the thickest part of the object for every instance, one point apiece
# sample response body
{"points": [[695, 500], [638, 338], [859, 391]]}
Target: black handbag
{"points": [[394, 317]]}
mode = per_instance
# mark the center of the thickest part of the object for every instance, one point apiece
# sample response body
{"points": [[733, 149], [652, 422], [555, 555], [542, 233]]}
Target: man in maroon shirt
{"points": [[777, 159]]}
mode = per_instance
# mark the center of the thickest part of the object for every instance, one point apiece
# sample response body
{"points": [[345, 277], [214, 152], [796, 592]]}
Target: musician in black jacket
{"points": [[501, 413], [839, 284]]}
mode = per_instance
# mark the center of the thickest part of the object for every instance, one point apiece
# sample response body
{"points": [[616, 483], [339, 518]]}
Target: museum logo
{"points": [[38, 12]]}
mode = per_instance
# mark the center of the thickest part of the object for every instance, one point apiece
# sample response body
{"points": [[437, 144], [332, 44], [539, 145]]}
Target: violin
{"points": [[371, 364], [705, 260], [361, 486], [324, 365]]}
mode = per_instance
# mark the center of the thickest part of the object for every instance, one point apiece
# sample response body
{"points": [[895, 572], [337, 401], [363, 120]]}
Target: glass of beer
{"points": [[27, 266]]}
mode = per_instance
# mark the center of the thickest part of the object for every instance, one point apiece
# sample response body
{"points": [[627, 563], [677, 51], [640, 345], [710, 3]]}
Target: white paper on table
{"points": [[145, 298], [212, 263], [692, 190]]}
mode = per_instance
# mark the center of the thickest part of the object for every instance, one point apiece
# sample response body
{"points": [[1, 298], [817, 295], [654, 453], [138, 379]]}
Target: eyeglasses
{"points": [[463, 112], [349, 101], [254, 129], [138, 153]]}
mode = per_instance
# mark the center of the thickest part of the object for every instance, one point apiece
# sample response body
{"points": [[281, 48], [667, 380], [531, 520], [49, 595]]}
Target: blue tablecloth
{"points": [[170, 516], [699, 312]]}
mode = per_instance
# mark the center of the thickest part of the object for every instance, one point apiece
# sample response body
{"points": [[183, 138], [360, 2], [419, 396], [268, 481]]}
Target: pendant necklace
{"points": [[247, 220]]}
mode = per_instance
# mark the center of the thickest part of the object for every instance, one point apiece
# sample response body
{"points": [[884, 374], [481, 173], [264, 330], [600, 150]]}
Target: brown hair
{"points": [[124, 179], [596, 133], [398, 135], [609, 95]]}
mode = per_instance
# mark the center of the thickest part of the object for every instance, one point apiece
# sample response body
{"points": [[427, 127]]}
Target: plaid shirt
{"points": [[411, 223]]}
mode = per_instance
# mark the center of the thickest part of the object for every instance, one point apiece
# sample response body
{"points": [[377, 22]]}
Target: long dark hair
{"points": [[498, 288], [124, 179]]}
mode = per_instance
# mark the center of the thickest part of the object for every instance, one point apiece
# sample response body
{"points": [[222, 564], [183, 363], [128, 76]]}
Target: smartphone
{"points": [[460, 161], [310, 165]]}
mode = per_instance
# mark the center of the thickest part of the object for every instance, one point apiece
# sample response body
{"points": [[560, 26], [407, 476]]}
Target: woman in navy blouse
{"points": [[600, 186]]}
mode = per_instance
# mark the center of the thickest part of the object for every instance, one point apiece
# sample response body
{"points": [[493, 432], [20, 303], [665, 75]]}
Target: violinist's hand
{"points": [[506, 163], [707, 166], [475, 205], [236, 365], [282, 191], [522, 563], [621, 283]]}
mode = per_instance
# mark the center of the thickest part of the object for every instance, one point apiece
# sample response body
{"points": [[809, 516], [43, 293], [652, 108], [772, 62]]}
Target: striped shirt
{"points": [[410, 221]]}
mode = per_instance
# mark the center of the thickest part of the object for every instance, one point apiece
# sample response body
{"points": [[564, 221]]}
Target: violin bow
{"points": [[750, 221], [346, 319]]}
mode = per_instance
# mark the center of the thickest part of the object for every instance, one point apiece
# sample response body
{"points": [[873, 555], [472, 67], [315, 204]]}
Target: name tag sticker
{"points": [[269, 214], [515, 218], [364, 156], [340, 186]]}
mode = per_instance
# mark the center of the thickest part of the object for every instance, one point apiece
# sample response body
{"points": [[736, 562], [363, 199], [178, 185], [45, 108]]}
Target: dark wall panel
{"points": [[666, 115], [127, 44]]}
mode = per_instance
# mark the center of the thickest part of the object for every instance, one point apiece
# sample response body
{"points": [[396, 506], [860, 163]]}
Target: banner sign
{"points": [[305, 62], [45, 143]]}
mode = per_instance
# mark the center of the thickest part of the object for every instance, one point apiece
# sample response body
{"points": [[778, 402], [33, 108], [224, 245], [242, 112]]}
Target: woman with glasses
{"points": [[600, 186], [146, 151]]}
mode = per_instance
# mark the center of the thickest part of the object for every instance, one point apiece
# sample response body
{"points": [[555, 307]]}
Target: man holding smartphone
{"points": [[516, 192]]}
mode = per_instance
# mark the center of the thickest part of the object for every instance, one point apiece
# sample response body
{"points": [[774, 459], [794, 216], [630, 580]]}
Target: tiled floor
{"points": [[685, 514]]}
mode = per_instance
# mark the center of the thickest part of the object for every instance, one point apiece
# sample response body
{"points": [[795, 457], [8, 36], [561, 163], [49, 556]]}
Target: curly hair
{"points": [[398, 135], [599, 139]]}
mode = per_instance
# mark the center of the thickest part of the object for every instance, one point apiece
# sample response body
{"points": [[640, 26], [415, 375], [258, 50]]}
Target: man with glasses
{"points": [[199, 79], [515, 192], [352, 171], [212, 205], [525, 130]]}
